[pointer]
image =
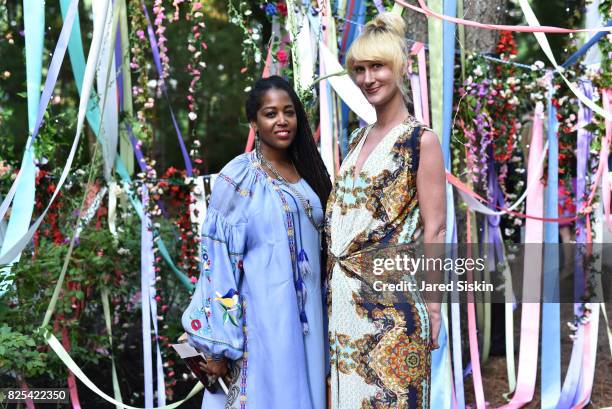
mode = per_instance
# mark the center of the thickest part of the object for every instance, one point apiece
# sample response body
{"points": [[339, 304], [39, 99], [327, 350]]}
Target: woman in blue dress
{"points": [[258, 308]]}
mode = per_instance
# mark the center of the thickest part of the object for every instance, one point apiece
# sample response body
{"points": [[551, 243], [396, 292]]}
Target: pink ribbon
{"points": [[534, 233], [418, 49], [519, 28], [453, 180], [24, 386], [72, 386], [473, 331]]}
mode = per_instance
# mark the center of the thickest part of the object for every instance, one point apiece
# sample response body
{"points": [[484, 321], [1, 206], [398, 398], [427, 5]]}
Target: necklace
{"points": [[305, 202]]}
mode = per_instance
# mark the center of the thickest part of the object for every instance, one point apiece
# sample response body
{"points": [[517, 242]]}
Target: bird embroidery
{"points": [[230, 302]]}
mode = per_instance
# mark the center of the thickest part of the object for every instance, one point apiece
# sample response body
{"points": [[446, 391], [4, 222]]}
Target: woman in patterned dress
{"points": [[390, 191], [257, 310]]}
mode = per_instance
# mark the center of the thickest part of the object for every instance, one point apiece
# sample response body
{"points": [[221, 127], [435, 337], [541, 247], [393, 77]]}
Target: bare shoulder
{"points": [[429, 140]]}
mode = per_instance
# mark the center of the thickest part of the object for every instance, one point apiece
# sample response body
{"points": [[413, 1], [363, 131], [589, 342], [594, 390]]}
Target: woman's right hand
{"points": [[216, 368]]}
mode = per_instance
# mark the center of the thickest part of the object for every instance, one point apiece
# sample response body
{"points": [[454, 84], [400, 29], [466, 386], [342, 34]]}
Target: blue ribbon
{"points": [[594, 40], [441, 386], [551, 322]]}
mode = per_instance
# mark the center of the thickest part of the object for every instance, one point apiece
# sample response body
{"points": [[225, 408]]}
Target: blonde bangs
{"points": [[383, 47]]}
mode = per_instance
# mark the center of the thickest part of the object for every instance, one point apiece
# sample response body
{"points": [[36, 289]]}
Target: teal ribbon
{"points": [[551, 321], [23, 202]]}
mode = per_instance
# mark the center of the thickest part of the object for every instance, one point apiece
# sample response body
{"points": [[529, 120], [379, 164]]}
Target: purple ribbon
{"points": [[570, 394], [157, 59], [118, 65], [379, 6]]}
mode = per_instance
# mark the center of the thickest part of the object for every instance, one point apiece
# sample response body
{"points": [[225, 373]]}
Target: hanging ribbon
{"points": [[72, 386], [430, 12], [535, 28], [603, 158], [469, 196], [573, 375], [164, 89], [326, 106], [441, 393], [24, 186], [345, 87], [28, 401], [107, 90], [541, 38], [21, 242], [592, 325], [75, 49], [125, 149], [530, 317], [146, 270], [441, 381], [586, 47], [108, 322], [443, 49], [67, 360], [550, 372], [418, 83]]}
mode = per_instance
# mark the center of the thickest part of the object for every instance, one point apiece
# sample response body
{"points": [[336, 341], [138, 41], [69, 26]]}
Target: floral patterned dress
{"points": [[380, 353]]}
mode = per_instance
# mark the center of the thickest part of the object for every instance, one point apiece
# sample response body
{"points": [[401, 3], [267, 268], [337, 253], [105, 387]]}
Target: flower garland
{"points": [[251, 45], [143, 98], [177, 195], [277, 11], [160, 16], [148, 180], [196, 46]]}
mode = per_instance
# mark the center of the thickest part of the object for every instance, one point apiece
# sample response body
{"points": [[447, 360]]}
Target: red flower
{"points": [[282, 8], [281, 56], [196, 324]]}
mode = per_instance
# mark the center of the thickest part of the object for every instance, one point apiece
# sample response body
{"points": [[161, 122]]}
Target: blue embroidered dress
{"points": [[246, 306]]}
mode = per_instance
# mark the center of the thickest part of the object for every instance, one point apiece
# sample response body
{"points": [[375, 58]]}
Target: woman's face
{"points": [[376, 80], [276, 119]]}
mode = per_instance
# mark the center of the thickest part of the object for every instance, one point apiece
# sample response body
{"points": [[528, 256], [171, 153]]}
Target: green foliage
{"points": [[18, 353]]}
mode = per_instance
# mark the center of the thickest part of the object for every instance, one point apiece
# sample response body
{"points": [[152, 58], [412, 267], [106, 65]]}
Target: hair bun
{"points": [[387, 21]]}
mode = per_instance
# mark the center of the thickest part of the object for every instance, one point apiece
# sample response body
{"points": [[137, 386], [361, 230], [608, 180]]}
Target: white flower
{"points": [[478, 71], [192, 116], [152, 83]]}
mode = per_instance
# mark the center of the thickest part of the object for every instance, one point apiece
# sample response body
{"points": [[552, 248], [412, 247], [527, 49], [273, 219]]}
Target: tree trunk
{"points": [[476, 40]]}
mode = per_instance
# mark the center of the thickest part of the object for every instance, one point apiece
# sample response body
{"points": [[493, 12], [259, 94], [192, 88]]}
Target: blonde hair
{"points": [[383, 39]]}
